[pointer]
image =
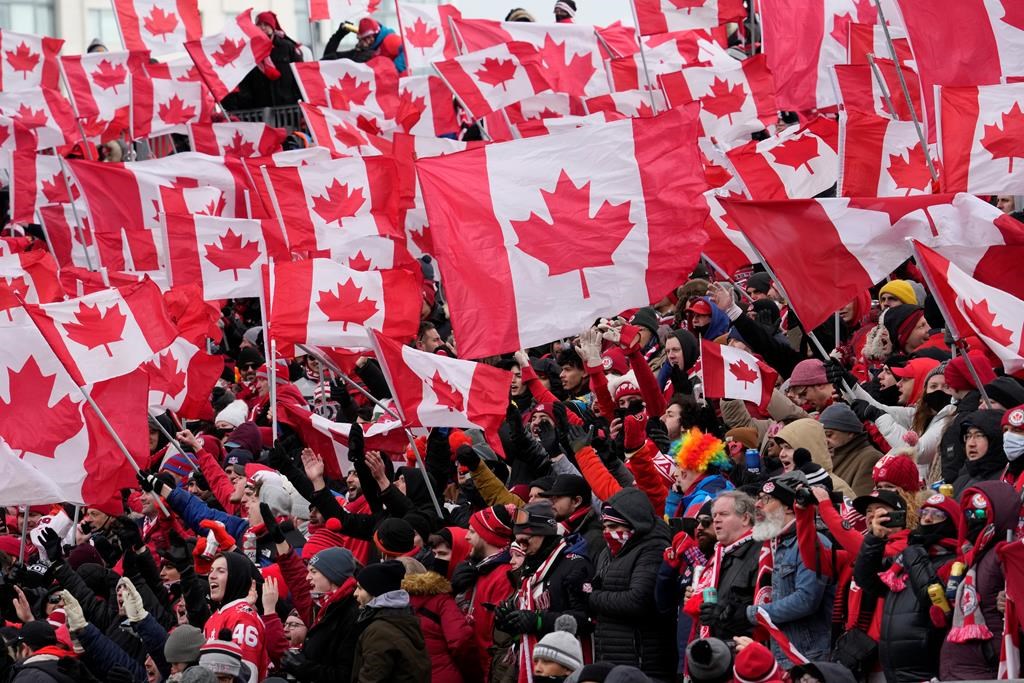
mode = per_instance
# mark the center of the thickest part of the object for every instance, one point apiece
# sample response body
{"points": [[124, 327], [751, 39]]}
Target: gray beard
{"points": [[770, 528]]}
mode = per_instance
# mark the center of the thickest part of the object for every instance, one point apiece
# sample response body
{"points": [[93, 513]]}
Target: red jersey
{"points": [[247, 632]]}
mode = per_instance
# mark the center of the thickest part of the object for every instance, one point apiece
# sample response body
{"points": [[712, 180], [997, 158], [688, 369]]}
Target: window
{"points": [[101, 23], [302, 33], [27, 16]]}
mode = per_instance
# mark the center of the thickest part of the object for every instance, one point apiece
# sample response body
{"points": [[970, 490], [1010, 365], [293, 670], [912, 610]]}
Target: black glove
{"points": [[293, 662], [548, 438], [517, 622], [709, 613], [836, 373], [119, 674], [270, 522], [464, 577], [865, 411], [52, 544], [356, 445], [177, 553], [153, 484], [144, 482], [579, 437], [129, 534], [467, 457]]}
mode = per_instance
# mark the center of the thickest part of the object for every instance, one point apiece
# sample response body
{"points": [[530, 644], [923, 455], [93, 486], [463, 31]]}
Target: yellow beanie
{"points": [[900, 289]]}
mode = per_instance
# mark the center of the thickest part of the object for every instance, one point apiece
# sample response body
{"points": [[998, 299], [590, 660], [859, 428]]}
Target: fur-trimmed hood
{"points": [[430, 583]]}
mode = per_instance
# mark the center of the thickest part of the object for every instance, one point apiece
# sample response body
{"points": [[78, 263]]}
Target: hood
{"points": [[691, 347], [809, 434], [1004, 500], [391, 600], [720, 322], [633, 504], [460, 548], [247, 436], [989, 422], [241, 573], [416, 487], [429, 583]]}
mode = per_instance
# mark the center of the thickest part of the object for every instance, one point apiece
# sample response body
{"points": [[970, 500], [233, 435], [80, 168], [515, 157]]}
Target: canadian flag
{"points": [[970, 306], [340, 131], [261, 205], [662, 16], [46, 423], [181, 379], [28, 277], [321, 302], [224, 59], [662, 56], [981, 133], [803, 40], [569, 54], [734, 102], [436, 391], [726, 248], [28, 62], [427, 32], [425, 107], [14, 136], [43, 111], [101, 90], [851, 244], [340, 10], [858, 89], [488, 80], [237, 138], [800, 162], [160, 26], [67, 240], [554, 126], [547, 106], [106, 334], [37, 180], [880, 157], [581, 228], [344, 84], [80, 281], [24, 484], [728, 372], [167, 98], [223, 254], [869, 39]]}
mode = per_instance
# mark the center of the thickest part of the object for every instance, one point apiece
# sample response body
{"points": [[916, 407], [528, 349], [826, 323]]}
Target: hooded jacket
{"points": [[447, 632], [808, 433], [989, 466], [854, 461], [391, 646]]}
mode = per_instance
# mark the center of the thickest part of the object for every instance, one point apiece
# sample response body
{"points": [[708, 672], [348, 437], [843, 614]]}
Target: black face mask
{"points": [[701, 331], [930, 534], [548, 679], [440, 566], [937, 400], [889, 396], [974, 527]]}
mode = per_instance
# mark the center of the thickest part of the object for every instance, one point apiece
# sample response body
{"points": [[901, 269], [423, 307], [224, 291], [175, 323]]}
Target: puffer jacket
{"points": [[448, 634], [628, 629], [808, 433]]}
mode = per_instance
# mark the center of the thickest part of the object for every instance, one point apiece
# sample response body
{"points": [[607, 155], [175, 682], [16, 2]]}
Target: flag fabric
{"points": [[880, 157], [493, 78], [780, 638], [159, 26], [627, 103], [24, 484], [28, 62], [100, 88], [436, 391], [344, 84], [81, 281], [260, 205], [728, 372], [341, 133], [426, 32], [224, 255], [665, 54], [29, 277], [869, 39], [579, 229], [167, 98], [45, 112], [322, 302], [224, 58], [106, 334], [858, 90], [339, 10], [36, 180], [663, 16], [14, 135], [981, 133], [181, 379], [971, 308], [726, 247], [1011, 557], [235, 138], [798, 163], [847, 245], [425, 107], [68, 241]]}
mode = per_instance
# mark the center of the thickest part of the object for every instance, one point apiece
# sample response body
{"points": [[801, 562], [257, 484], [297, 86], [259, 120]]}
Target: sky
{"points": [[599, 12]]}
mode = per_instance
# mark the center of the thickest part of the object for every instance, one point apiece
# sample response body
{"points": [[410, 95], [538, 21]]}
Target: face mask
{"points": [[548, 679], [937, 400], [974, 527], [440, 566], [889, 396], [616, 539], [1013, 445]]}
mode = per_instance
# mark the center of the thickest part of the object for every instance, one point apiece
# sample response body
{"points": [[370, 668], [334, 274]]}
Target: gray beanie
{"points": [[708, 659], [182, 645], [561, 646], [337, 564], [841, 418], [277, 498]]}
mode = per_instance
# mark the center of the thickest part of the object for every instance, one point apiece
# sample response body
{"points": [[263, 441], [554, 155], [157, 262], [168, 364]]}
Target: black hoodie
{"points": [[991, 465]]}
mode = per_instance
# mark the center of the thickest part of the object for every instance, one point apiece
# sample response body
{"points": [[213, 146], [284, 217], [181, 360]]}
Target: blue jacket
{"points": [[676, 504], [101, 654], [381, 35], [193, 510]]}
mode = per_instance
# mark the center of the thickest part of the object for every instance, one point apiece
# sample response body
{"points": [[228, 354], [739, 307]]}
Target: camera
{"points": [[805, 497]]}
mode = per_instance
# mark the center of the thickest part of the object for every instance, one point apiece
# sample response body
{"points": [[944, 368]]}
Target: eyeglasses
{"points": [[933, 515], [704, 521]]}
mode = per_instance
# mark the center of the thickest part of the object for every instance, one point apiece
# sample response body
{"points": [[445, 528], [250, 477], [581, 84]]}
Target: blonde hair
{"points": [[412, 565]]}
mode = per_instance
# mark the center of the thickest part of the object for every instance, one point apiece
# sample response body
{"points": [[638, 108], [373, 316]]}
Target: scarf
{"points": [[968, 621], [534, 597], [615, 540], [715, 575], [337, 595]]}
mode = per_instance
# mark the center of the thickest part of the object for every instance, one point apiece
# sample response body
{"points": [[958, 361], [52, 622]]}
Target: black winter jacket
{"points": [[563, 587], [330, 644], [736, 592]]}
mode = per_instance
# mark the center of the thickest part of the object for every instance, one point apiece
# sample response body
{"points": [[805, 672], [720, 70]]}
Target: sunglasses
{"points": [[975, 513], [704, 521]]}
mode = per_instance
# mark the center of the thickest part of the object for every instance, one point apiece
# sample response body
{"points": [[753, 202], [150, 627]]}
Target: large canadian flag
{"points": [[981, 134], [340, 10], [225, 58], [344, 84], [160, 26], [181, 379], [322, 302], [100, 87], [427, 32], [36, 180], [972, 307], [425, 107], [24, 484], [28, 277], [260, 205], [236, 138], [880, 157], [798, 163], [611, 219], [14, 135], [493, 78], [663, 16], [729, 372], [45, 112], [436, 391], [223, 254], [850, 244], [28, 62]]}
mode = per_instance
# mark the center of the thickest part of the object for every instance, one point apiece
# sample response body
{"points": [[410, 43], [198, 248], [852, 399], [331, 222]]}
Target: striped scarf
{"points": [[532, 597]]}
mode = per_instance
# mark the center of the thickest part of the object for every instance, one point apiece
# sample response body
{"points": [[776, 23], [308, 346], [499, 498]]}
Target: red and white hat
{"points": [[755, 664], [1014, 418]]}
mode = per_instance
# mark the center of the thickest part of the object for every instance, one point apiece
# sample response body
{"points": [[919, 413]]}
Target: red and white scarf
{"points": [[532, 596], [712, 577]]}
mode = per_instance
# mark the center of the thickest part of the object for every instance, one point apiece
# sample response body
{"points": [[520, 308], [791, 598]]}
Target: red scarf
{"points": [[713, 576], [337, 595]]}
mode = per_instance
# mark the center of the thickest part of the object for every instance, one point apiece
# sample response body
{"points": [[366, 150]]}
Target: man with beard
{"points": [[570, 499], [732, 568], [797, 598], [553, 579]]}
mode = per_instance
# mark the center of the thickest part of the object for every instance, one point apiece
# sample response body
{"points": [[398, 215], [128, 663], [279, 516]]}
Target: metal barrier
{"points": [[289, 118]]}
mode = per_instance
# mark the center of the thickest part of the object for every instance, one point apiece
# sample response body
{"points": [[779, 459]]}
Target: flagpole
{"points": [[174, 442], [74, 210], [269, 347], [643, 57], [881, 84], [24, 534]]}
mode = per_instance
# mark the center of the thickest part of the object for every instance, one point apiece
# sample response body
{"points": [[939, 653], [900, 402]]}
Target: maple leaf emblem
{"points": [[23, 59], [31, 118], [447, 395], [233, 253], [985, 318], [723, 100], [796, 152], [1014, 15], [841, 28], [570, 75], [369, 124], [55, 191], [13, 291], [352, 89], [910, 173], [687, 5], [644, 111], [867, 13], [743, 373], [424, 239], [94, 329], [51, 425], [164, 375], [411, 111], [421, 36], [359, 262], [347, 306], [496, 72], [338, 203], [240, 147], [174, 111], [108, 76], [159, 23], [1004, 140], [228, 51], [349, 135], [569, 207]]}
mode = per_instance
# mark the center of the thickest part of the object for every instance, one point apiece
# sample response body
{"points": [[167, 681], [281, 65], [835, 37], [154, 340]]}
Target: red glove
{"points": [[675, 554], [634, 432], [629, 338], [225, 540]]}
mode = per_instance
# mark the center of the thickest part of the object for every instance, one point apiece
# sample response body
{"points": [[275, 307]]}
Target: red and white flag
{"points": [[340, 10], [67, 240], [159, 26], [734, 102], [106, 334], [224, 59], [425, 107], [181, 379], [728, 372], [879, 157], [14, 135], [869, 39], [581, 227], [435, 391], [167, 99], [344, 132], [30, 277], [260, 204], [344, 84], [24, 484], [493, 78], [971, 307], [37, 180], [28, 62], [981, 134], [427, 32], [633, 104], [322, 302], [858, 89], [100, 88], [851, 244], [798, 163], [223, 254], [667, 53], [45, 112], [235, 139], [663, 16]]}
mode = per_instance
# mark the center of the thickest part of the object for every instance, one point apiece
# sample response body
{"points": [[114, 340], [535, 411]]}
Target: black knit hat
{"points": [[395, 537], [383, 577], [759, 282], [899, 323], [646, 317]]}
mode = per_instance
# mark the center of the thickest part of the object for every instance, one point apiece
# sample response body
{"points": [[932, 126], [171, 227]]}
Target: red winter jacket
{"points": [[449, 636]]}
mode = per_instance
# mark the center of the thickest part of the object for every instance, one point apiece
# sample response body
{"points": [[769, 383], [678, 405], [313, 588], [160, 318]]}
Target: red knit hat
{"points": [[113, 507], [755, 664], [899, 470], [494, 524], [958, 376], [947, 505], [1014, 417]]}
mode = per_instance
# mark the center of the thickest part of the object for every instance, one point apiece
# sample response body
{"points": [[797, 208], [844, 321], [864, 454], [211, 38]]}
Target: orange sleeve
{"points": [[654, 400], [648, 479], [601, 481], [599, 385]]}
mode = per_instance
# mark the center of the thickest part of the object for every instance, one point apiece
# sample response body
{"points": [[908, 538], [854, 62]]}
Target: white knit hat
{"points": [[233, 414], [560, 646]]}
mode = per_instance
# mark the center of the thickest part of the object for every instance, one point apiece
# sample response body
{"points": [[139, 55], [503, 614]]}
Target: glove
{"points": [[73, 614], [518, 622], [836, 373], [152, 483], [224, 539], [464, 576], [270, 522], [634, 432], [629, 338], [548, 438], [177, 552], [676, 554], [119, 674], [144, 482], [578, 438], [129, 534], [293, 662], [709, 613], [132, 601], [467, 457], [52, 545], [356, 444], [865, 411]]}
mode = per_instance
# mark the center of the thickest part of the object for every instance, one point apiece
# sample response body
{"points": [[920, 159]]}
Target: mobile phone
{"points": [[897, 520]]}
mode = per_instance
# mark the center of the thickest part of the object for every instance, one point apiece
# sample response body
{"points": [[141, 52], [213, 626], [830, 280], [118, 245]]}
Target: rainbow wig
{"points": [[696, 451]]}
